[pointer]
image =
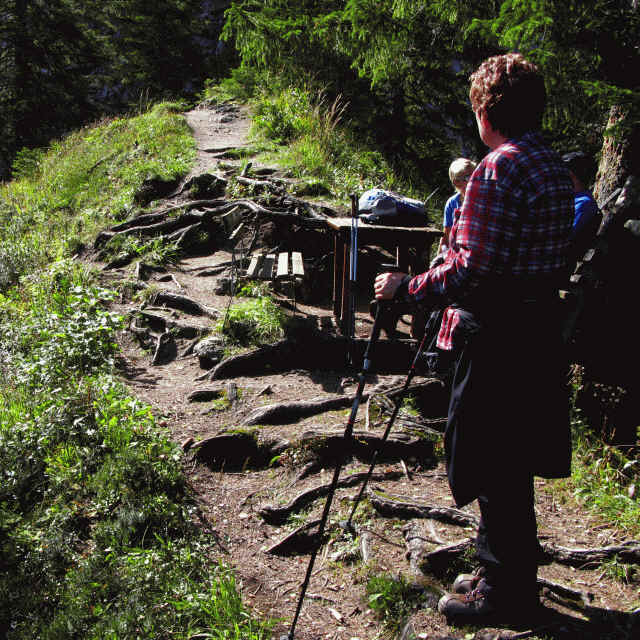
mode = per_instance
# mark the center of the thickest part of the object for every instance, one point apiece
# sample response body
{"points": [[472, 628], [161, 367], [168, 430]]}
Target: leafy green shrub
{"points": [[83, 183], [283, 116], [163, 109], [97, 536], [242, 85], [72, 337], [319, 144], [26, 164], [253, 289], [606, 479], [155, 251], [254, 321], [16, 257], [165, 590]]}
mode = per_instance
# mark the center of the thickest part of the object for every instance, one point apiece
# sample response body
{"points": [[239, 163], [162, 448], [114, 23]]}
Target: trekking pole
{"points": [[431, 323], [375, 334], [353, 274]]}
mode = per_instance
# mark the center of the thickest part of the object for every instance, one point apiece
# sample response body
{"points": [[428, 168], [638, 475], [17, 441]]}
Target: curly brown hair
{"points": [[511, 91]]}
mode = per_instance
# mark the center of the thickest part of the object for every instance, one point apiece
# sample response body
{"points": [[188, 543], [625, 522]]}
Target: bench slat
{"points": [[297, 266], [253, 265], [283, 265]]}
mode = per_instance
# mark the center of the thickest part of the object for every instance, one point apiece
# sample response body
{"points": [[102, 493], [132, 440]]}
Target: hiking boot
{"points": [[478, 604], [467, 582], [474, 604]]}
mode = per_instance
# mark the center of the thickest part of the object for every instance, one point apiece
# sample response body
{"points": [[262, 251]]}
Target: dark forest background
{"points": [[64, 63], [401, 65]]}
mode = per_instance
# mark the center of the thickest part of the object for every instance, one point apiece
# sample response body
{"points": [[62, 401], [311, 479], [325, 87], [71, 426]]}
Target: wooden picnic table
{"points": [[397, 240]]}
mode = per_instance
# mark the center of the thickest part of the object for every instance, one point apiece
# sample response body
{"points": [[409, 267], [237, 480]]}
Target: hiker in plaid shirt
{"points": [[508, 412]]}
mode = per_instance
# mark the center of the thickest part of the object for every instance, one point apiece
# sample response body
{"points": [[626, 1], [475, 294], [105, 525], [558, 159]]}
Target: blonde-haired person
{"points": [[460, 171]]}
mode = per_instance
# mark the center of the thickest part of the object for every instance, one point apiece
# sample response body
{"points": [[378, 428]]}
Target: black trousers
{"points": [[507, 543], [508, 421]]}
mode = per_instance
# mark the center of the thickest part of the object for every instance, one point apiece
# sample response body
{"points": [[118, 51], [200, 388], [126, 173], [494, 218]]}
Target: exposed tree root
{"points": [[306, 471], [273, 186], [628, 553], [321, 449], [329, 447], [302, 540], [185, 237], [142, 334], [166, 349], [160, 222], [145, 219], [402, 507], [158, 322], [162, 227], [365, 547], [143, 270], [581, 598], [277, 515], [238, 449], [219, 206], [317, 350], [205, 395], [183, 303], [425, 560], [422, 560], [287, 412], [555, 553], [253, 361]]}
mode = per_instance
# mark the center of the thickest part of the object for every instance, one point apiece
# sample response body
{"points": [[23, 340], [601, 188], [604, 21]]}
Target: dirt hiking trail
{"points": [[260, 474]]}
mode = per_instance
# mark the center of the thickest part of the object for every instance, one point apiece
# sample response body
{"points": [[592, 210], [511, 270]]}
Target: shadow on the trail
{"points": [[589, 623]]}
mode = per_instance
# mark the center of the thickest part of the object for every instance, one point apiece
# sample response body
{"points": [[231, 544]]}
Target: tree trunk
{"points": [[619, 156], [609, 391]]}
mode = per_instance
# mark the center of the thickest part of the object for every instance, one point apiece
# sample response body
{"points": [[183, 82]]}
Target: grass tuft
{"points": [[605, 479], [394, 599], [253, 321], [318, 144]]}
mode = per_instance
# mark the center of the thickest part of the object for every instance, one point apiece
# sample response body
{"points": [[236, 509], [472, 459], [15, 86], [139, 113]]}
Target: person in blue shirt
{"points": [[587, 217]]}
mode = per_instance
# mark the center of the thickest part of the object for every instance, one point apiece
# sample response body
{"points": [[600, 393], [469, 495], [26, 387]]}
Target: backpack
{"points": [[384, 207]]}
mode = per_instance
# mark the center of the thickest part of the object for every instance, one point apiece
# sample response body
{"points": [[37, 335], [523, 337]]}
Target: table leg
{"points": [[402, 259], [338, 250], [345, 316]]}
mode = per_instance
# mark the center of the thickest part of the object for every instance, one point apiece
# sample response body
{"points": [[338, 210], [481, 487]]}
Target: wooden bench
{"points": [[286, 270], [284, 266]]}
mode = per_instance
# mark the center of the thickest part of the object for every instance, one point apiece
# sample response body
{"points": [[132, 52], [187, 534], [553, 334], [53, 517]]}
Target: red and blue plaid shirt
{"points": [[515, 222]]}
